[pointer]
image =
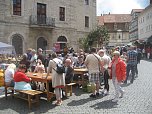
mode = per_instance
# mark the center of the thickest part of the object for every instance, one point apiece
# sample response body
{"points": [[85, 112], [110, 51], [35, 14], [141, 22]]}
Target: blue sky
{"points": [[120, 6]]}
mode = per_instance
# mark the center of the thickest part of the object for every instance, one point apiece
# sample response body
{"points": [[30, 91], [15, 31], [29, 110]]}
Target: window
{"points": [[41, 13], [86, 2], [17, 7], [86, 21], [62, 14]]}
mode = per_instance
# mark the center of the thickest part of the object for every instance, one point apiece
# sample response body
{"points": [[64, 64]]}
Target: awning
{"points": [[149, 39], [131, 44], [6, 48], [139, 41]]}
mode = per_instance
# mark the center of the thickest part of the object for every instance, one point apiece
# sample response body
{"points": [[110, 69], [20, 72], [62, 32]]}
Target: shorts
{"points": [[94, 78]]}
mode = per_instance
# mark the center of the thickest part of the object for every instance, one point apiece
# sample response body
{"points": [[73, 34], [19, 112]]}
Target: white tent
{"points": [[6, 48]]}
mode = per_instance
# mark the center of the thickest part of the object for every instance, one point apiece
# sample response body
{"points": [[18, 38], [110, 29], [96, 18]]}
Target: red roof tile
{"points": [[114, 18]]}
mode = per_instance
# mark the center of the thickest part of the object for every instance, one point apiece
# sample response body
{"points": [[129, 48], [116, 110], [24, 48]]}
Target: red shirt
{"points": [[20, 76]]}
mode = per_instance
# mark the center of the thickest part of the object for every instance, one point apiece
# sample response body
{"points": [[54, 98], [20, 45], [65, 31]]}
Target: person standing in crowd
{"points": [[80, 62], [58, 80], [124, 56], [106, 60], [139, 55], [39, 67], [148, 52], [29, 53], [25, 61], [33, 60], [131, 64], [21, 80], [118, 74], [9, 75], [93, 63], [40, 55], [144, 53], [46, 61]]}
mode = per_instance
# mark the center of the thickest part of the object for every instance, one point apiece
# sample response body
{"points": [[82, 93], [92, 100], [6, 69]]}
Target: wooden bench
{"points": [[9, 90], [68, 89], [32, 95]]}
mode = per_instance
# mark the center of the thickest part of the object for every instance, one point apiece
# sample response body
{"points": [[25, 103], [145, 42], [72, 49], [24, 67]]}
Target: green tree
{"points": [[99, 35]]}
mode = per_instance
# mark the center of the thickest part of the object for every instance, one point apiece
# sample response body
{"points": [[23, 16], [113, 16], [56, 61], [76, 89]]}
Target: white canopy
{"points": [[6, 48]]}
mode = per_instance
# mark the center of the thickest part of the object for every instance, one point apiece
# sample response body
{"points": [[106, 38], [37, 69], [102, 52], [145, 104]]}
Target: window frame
{"points": [[17, 7], [61, 13], [86, 2], [87, 21]]}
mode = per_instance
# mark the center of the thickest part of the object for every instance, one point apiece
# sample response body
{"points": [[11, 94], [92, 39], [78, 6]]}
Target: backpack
{"points": [[60, 69]]}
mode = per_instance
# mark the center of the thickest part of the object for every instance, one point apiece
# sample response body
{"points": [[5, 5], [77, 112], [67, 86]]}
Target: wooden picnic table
{"points": [[80, 72], [41, 77]]}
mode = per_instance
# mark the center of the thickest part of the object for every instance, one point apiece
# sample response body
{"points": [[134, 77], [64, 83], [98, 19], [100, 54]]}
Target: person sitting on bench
{"points": [[9, 75], [21, 80], [68, 71]]}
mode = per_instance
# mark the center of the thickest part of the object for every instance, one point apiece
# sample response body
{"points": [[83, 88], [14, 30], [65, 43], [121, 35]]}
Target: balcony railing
{"points": [[42, 21]]}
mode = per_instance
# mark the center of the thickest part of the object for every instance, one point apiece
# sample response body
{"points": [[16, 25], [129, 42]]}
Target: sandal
{"points": [[58, 102]]}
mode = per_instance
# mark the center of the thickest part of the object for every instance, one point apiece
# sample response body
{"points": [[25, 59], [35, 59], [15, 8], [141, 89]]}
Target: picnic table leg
{"points": [[66, 90], [29, 101], [47, 91], [37, 100], [71, 90]]}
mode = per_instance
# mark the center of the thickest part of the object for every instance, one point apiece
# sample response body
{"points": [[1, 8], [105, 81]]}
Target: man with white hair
{"points": [[106, 60]]}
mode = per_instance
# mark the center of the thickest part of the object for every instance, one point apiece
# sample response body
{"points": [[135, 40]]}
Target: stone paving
{"points": [[137, 100]]}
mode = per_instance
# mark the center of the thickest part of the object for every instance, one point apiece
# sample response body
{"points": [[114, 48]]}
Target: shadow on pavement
{"points": [[83, 101], [108, 104], [20, 106], [78, 91], [125, 85]]}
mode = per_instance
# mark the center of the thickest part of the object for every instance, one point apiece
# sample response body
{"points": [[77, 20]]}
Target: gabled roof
{"points": [[114, 18]]}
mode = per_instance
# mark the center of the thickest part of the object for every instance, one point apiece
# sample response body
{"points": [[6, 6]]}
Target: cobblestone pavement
{"points": [[137, 100]]}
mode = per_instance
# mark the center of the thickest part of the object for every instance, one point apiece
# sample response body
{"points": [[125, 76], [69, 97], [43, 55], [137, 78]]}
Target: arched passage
{"points": [[41, 43], [17, 42], [62, 40]]}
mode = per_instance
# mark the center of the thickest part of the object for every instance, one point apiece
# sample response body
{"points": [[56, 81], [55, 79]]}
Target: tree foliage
{"points": [[99, 35]]}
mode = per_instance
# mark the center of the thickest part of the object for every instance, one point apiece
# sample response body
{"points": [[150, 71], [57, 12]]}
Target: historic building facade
{"points": [[118, 27], [133, 27], [145, 24], [43, 23]]}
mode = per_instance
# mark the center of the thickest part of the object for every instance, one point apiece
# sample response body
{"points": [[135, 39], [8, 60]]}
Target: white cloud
{"points": [[117, 6]]}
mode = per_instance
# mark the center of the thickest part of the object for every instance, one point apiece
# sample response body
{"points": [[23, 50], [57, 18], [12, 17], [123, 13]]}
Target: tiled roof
{"points": [[114, 18]]}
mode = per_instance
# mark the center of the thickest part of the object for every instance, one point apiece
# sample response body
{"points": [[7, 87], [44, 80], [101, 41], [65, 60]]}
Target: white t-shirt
{"points": [[93, 63], [9, 73], [107, 61]]}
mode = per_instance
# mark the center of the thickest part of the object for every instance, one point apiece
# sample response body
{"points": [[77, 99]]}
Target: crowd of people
{"points": [[118, 66]]}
